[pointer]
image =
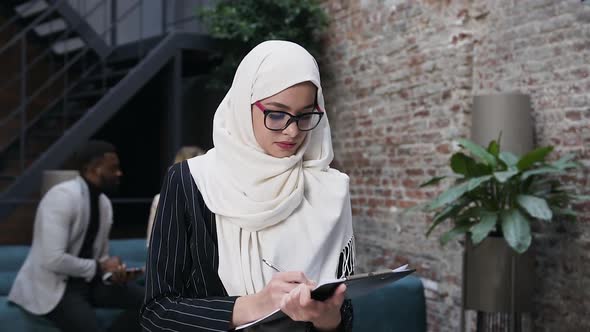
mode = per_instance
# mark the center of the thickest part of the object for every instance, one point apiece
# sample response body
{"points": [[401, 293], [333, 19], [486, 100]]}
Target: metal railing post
{"points": [[64, 121], [113, 23], [66, 82], [140, 28], [23, 102], [104, 15], [164, 16]]}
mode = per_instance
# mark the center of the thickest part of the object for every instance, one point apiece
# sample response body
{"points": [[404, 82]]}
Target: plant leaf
{"points": [[478, 169], [535, 206], [564, 212], [532, 157], [571, 164], [580, 198], [494, 148], [481, 229], [455, 192], [516, 229], [434, 180], [478, 151], [453, 233], [475, 182], [447, 212], [509, 159], [504, 176], [565, 160], [460, 162], [418, 207], [540, 170], [543, 186]]}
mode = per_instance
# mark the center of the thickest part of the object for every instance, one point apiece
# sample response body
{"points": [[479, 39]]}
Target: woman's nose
{"points": [[292, 130]]}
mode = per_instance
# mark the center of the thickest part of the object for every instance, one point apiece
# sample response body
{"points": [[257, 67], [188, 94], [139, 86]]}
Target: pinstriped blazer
{"points": [[183, 289]]}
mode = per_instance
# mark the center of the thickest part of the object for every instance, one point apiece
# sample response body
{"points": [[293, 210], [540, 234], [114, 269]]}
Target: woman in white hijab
{"points": [[265, 192]]}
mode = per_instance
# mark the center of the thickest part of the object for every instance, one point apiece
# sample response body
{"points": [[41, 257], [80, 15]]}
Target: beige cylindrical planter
{"points": [[498, 279], [509, 114]]}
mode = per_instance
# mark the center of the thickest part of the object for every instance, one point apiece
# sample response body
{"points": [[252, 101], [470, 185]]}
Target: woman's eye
{"points": [[276, 116]]}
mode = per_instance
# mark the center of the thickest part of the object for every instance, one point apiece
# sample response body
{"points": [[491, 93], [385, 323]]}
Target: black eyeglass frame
{"points": [[292, 118]]}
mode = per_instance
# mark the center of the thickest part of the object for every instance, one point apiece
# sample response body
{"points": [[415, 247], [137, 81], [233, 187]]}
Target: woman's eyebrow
{"points": [[277, 104]]}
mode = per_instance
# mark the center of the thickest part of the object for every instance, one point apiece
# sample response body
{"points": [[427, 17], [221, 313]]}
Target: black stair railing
{"points": [[21, 79], [69, 72]]}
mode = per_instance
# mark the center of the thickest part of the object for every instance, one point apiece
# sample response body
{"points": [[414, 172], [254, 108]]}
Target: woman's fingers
{"points": [[287, 287], [305, 296], [292, 296], [297, 303], [292, 276], [285, 282]]}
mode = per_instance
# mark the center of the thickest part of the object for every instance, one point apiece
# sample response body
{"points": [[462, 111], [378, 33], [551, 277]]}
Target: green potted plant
{"points": [[244, 24], [498, 193], [495, 198]]}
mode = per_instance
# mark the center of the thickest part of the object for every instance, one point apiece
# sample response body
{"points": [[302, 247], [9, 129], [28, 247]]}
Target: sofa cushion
{"points": [[130, 250], [14, 318], [6, 280], [400, 306], [12, 257]]}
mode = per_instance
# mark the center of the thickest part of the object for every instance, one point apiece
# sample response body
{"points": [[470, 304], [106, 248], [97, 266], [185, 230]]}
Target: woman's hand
{"points": [[281, 284], [252, 307], [325, 315]]}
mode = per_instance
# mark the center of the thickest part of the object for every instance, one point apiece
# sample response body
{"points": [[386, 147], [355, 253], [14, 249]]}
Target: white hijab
{"points": [[293, 211]]}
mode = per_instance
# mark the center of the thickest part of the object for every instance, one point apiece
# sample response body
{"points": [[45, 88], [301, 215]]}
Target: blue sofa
{"points": [[13, 318], [397, 307]]}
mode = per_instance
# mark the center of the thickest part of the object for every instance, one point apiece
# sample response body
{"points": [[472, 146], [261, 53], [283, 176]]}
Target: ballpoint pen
{"points": [[271, 266]]}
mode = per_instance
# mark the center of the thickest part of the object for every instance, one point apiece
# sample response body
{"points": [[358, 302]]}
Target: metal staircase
{"points": [[64, 80]]}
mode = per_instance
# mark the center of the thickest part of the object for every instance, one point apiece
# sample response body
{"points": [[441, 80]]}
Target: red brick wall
{"points": [[399, 77]]}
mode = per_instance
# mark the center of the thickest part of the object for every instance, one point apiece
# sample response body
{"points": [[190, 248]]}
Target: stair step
{"points": [[68, 45], [69, 114], [93, 94], [31, 8], [51, 27], [107, 76], [46, 134]]}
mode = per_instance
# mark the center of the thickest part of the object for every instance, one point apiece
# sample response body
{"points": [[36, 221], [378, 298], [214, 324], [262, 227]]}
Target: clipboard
{"points": [[356, 285], [360, 284]]}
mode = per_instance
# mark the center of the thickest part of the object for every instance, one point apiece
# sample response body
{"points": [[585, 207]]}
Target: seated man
{"points": [[68, 270]]}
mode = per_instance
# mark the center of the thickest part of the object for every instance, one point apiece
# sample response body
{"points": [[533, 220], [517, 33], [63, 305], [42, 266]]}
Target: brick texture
{"points": [[399, 78]]}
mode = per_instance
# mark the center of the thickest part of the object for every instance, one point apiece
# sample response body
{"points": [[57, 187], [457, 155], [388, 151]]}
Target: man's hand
{"points": [[111, 264], [117, 268], [324, 315]]}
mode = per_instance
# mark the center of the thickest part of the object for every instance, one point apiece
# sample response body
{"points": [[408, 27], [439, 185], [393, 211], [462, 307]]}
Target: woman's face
{"points": [[295, 100]]}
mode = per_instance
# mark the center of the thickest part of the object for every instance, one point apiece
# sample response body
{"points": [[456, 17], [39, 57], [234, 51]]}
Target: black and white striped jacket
{"points": [[183, 289]]}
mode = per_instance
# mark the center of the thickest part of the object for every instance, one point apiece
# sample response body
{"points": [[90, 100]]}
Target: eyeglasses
{"points": [[279, 120]]}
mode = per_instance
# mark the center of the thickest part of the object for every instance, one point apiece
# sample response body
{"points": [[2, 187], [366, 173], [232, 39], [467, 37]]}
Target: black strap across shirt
{"points": [[183, 289]]}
